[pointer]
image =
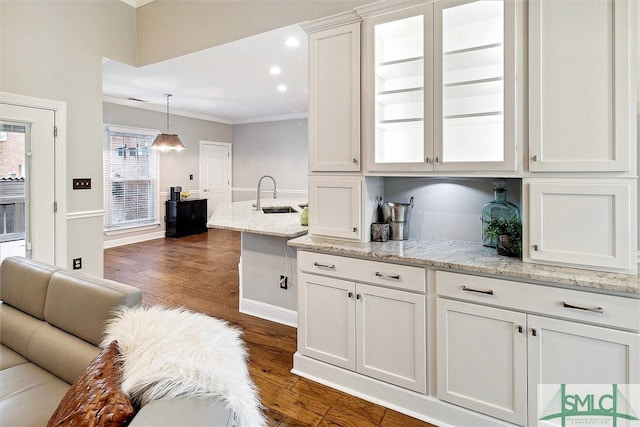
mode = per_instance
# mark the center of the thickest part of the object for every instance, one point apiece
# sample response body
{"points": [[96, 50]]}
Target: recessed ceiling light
{"points": [[275, 70], [282, 88], [292, 42]]}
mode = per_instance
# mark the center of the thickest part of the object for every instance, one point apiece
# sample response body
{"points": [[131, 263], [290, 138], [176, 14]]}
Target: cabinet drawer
{"points": [[359, 270], [607, 310]]}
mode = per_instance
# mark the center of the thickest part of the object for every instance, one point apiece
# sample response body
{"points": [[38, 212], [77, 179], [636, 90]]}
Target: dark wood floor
{"points": [[200, 273]]}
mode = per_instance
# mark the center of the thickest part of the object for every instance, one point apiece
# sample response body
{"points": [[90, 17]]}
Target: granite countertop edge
{"points": [[474, 258]]}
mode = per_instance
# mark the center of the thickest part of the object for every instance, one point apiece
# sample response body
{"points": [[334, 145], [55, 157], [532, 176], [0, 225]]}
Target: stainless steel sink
{"points": [[278, 209]]}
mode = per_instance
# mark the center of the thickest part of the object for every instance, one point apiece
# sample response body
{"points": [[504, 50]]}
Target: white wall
{"points": [[447, 208], [278, 149], [175, 167], [53, 50]]}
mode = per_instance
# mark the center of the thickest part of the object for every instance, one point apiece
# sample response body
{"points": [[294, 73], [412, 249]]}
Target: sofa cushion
{"points": [[9, 358], [28, 395], [17, 328], [23, 284], [95, 398], [79, 304]]}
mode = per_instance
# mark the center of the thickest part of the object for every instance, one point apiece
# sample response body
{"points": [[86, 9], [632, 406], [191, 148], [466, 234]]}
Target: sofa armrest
{"points": [[184, 412]]}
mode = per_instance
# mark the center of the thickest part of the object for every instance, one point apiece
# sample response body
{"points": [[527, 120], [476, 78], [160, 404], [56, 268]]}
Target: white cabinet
{"points": [[581, 99], [440, 87], [343, 206], [493, 352], [335, 207], [586, 223], [562, 352], [376, 331], [482, 359], [334, 99]]}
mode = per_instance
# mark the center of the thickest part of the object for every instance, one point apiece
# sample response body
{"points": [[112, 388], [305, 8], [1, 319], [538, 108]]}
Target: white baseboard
{"points": [[269, 312], [423, 407], [133, 239]]}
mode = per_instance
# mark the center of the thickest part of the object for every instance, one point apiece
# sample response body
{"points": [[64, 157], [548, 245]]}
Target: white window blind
{"points": [[130, 178]]}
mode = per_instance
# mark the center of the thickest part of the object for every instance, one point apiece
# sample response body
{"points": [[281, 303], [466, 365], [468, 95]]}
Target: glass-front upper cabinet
{"points": [[398, 78], [441, 79]]}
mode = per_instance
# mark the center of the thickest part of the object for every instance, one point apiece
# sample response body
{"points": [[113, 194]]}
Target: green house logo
{"points": [[590, 404]]}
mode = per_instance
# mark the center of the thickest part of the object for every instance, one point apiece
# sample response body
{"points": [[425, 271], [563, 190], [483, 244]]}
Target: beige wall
{"points": [[167, 29], [54, 50]]}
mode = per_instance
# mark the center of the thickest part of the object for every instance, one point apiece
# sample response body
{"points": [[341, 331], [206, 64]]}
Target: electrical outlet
{"points": [[283, 282], [77, 263]]}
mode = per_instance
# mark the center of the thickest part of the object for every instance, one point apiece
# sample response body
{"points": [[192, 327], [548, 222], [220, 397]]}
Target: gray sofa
{"points": [[51, 322]]}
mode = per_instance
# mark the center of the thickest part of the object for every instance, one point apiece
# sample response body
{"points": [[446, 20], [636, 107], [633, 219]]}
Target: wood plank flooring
{"points": [[200, 273]]}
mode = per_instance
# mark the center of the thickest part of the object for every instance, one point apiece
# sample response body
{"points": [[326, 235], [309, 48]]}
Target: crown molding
{"points": [[136, 3], [293, 116], [162, 109], [386, 6], [332, 21]]}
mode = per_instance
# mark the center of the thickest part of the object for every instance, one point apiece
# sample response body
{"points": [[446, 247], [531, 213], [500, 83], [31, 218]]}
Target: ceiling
{"points": [[230, 83]]}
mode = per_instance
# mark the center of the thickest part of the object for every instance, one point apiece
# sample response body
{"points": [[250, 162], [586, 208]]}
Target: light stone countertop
{"points": [[474, 258], [242, 216]]}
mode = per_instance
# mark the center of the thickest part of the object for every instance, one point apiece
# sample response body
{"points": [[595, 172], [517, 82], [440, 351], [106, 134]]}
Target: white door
{"points": [[482, 359], [215, 174], [391, 334], [326, 320], [564, 352], [39, 168]]}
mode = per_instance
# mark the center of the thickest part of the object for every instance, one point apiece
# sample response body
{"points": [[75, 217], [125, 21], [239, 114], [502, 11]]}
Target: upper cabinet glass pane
{"points": [[473, 82], [399, 91]]}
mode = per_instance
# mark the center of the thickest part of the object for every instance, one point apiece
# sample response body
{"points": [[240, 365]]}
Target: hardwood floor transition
{"points": [[200, 273]]}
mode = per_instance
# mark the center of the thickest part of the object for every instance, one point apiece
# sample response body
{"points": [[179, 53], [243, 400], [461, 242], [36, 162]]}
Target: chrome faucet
{"points": [[275, 191]]}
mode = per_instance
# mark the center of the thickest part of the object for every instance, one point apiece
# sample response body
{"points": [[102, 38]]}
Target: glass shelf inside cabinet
{"points": [[473, 82], [399, 81]]}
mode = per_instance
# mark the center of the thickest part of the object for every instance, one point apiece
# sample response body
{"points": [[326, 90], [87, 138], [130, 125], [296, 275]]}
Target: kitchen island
{"points": [[265, 255]]}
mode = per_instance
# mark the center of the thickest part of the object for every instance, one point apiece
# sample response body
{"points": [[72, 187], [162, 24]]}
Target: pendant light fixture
{"points": [[167, 141]]}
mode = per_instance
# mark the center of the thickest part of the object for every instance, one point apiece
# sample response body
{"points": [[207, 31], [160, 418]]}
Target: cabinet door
{"points": [[562, 352], [335, 207], [474, 71], [399, 90], [391, 334], [585, 223], [334, 99], [482, 359], [184, 217], [580, 92], [326, 320]]}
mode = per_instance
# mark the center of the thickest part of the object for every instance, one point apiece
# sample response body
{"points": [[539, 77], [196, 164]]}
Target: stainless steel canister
{"points": [[398, 216]]}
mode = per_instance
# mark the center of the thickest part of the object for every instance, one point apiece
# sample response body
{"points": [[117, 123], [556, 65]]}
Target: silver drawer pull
{"points": [[388, 276], [329, 266], [577, 307], [480, 291]]}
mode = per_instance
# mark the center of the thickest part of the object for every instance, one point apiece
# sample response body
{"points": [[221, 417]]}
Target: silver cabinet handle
{"points": [[534, 158], [355, 161], [437, 159], [520, 329], [535, 248], [577, 307], [358, 296], [388, 276], [350, 294], [355, 229], [480, 291], [329, 266], [427, 160], [534, 332]]}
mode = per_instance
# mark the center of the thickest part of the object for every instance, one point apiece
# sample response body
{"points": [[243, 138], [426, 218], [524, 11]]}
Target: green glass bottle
{"points": [[304, 216], [497, 209]]}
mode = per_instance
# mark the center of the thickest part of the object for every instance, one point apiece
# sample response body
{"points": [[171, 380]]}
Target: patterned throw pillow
{"points": [[95, 398]]}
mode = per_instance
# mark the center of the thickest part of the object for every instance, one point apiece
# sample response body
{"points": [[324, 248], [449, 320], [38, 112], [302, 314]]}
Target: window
{"points": [[130, 178]]}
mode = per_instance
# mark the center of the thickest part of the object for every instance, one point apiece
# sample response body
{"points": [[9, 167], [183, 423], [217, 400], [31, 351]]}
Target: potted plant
{"points": [[508, 235]]}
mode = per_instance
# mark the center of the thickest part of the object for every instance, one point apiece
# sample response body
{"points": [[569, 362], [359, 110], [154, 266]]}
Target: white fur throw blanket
{"points": [[174, 352]]}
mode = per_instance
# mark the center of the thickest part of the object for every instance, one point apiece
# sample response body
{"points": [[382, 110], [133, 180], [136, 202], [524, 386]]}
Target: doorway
{"points": [[215, 174], [27, 175]]}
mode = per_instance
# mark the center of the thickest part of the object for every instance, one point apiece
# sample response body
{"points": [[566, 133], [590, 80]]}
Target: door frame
{"points": [[200, 165], [59, 109]]}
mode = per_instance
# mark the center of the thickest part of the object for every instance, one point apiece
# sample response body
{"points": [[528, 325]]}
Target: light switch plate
{"points": [[82, 183]]}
